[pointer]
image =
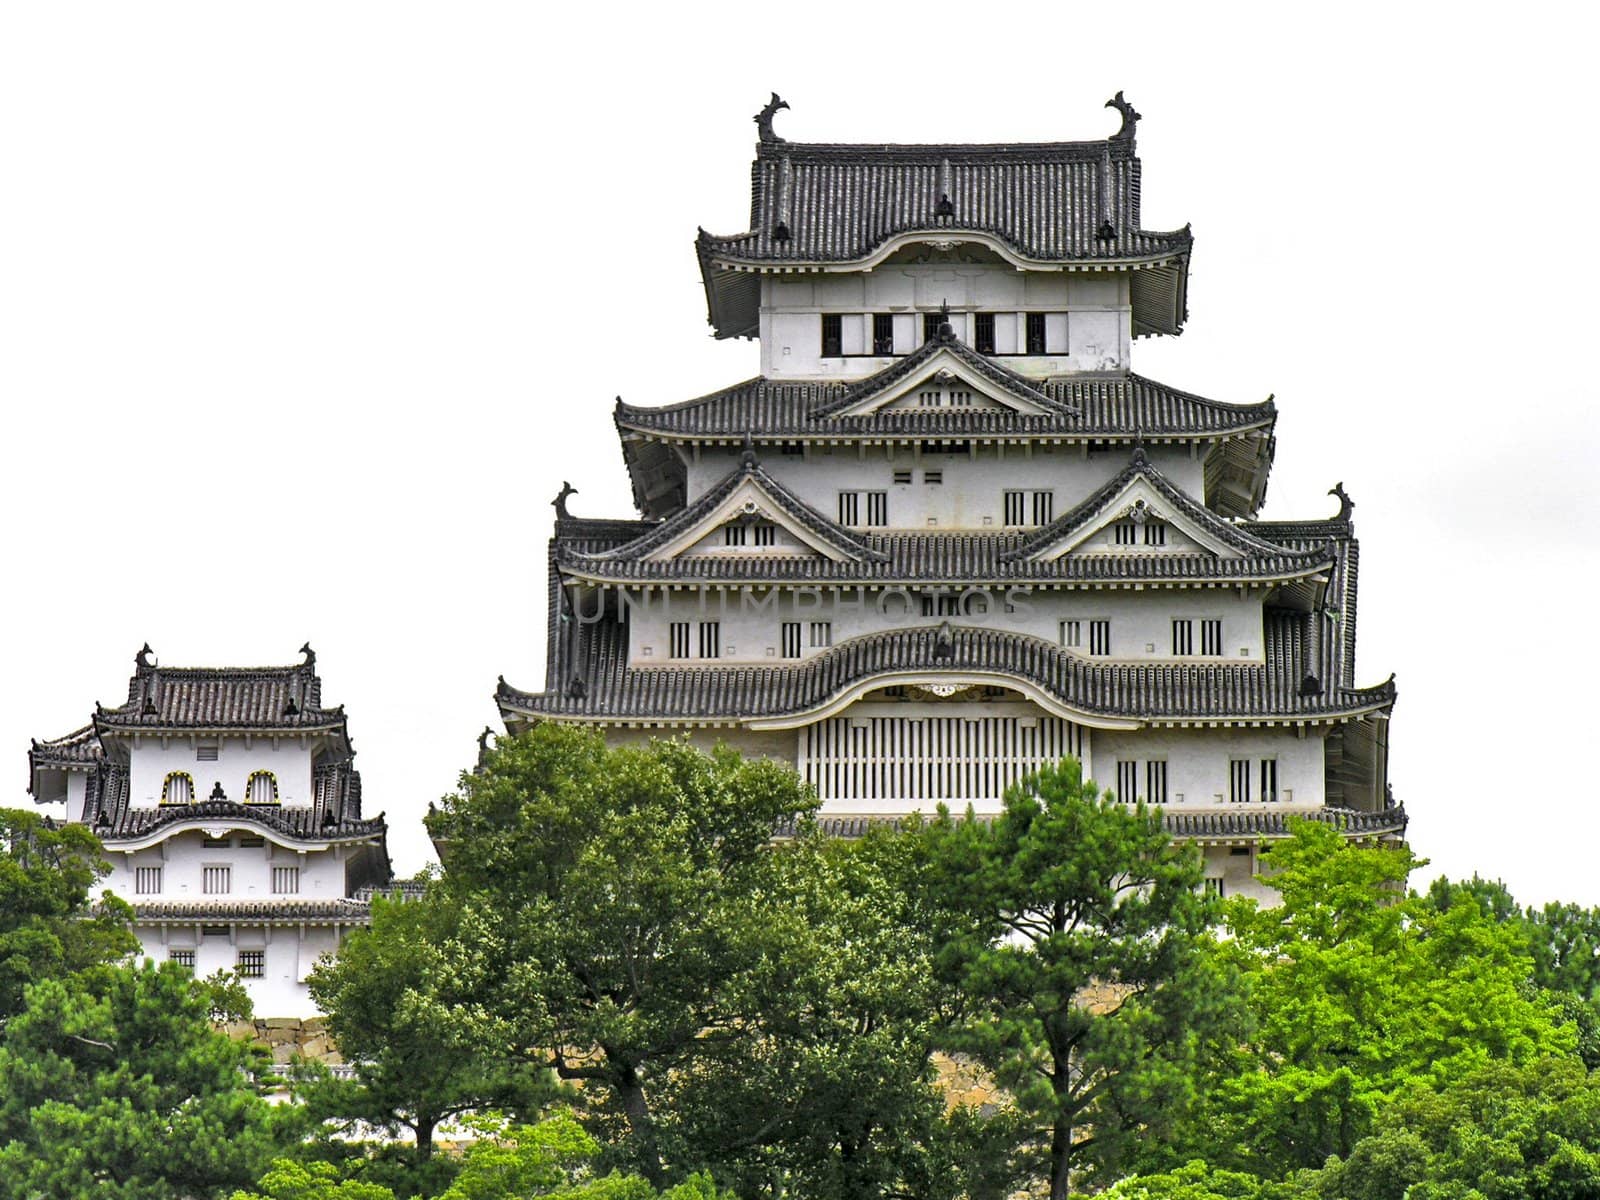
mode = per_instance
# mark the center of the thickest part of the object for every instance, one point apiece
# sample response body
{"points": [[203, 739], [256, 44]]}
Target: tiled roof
{"points": [[266, 698], [1204, 824], [1168, 692], [78, 748], [305, 824], [945, 343], [1093, 509], [1082, 408], [254, 912]]}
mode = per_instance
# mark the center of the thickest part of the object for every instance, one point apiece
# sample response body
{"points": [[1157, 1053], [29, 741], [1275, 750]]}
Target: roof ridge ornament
{"points": [[1130, 118], [946, 331], [142, 659], [747, 460], [1346, 505], [780, 231], [311, 657], [763, 119], [945, 206], [560, 502]]}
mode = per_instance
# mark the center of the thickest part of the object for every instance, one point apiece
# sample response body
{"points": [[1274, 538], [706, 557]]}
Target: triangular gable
{"points": [[1139, 495], [747, 493], [948, 367]]}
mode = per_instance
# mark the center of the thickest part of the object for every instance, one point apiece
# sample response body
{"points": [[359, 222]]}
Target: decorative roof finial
{"points": [[1130, 118], [945, 206], [216, 792], [1140, 458], [576, 688], [560, 502], [311, 656], [1346, 505], [142, 659], [748, 459], [763, 119], [483, 742], [944, 642], [946, 331]]}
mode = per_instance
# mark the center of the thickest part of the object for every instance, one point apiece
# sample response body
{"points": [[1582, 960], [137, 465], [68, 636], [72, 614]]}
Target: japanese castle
{"points": [[947, 535], [230, 811]]}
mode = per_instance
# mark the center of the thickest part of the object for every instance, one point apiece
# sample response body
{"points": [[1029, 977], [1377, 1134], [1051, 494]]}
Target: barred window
{"points": [[262, 788], [877, 508], [680, 639], [1269, 780], [147, 881], [1155, 533], [983, 333], [1155, 781], [791, 639], [1072, 633], [1044, 507], [710, 639], [882, 333], [285, 881], [1127, 533], [902, 476], [178, 788], [930, 325], [849, 508], [252, 964], [733, 534], [1215, 887], [960, 398], [182, 955], [928, 399], [1211, 636], [1239, 780], [205, 753], [1127, 780], [1035, 332], [216, 881], [832, 335], [1182, 637], [1099, 637], [821, 634], [1016, 506], [765, 533]]}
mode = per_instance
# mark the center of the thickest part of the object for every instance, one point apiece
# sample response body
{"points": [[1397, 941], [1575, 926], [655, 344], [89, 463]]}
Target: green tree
{"points": [[114, 1084], [391, 1007], [613, 903], [49, 925], [1082, 955], [1358, 992]]}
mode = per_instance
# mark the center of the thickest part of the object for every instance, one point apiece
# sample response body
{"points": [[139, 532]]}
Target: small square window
{"points": [[182, 955], [252, 964]]}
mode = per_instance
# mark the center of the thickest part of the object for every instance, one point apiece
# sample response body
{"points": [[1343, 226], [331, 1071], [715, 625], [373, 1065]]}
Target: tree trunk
{"points": [[1061, 1159], [643, 1126], [424, 1128]]}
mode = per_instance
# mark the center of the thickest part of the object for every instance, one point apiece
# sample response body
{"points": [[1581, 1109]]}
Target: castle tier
{"points": [[230, 810], [947, 535]]}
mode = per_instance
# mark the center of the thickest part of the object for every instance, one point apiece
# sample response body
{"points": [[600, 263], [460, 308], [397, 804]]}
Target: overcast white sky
{"points": [[306, 310]]}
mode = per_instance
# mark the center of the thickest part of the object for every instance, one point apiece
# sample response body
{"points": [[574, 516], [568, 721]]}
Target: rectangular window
{"points": [[205, 754], [929, 399], [902, 476], [221, 843], [1215, 887], [927, 604], [983, 333], [1044, 507], [849, 508], [832, 335], [1155, 533], [147, 881], [1182, 637], [710, 639], [766, 534], [252, 964], [1127, 533], [182, 955], [791, 639], [216, 881], [1211, 636], [680, 639], [821, 634], [1239, 780], [1269, 780], [1155, 782], [252, 843], [935, 477], [1072, 633], [877, 508], [1127, 780], [882, 333], [1035, 329], [733, 535], [1016, 508], [285, 881], [960, 398], [930, 326], [1099, 637]]}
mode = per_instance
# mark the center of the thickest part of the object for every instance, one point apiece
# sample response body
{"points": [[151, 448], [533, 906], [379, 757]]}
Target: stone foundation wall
{"points": [[290, 1037]]}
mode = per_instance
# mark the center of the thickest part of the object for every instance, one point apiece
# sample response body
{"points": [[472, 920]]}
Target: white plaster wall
{"points": [[77, 797], [1236, 867], [281, 990], [149, 763], [1197, 763], [1141, 621], [182, 856], [1098, 316], [971, 495]]}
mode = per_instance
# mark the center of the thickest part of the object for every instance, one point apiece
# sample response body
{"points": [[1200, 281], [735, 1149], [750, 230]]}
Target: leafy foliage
{"points": [[113, 1084], [1081, 950]]}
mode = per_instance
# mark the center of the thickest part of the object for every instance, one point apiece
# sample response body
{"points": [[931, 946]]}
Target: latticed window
{"points": [[1155, 781], [147, 881], [1044, 507], [1211, 636], [1072, 633], [928, 399], [832, 335], [1215, 887], [960, 398], [1127, 780], [285, 881], [983, 333], [1239, 780], [1182, 637], [205, 754], [882, 333], [1127, 533], [849, 508], [1016, 506], [791, 639], [178, 788], [182, 955], [821, 634], [1155, 533], [216, 881], [733, 535], [930, 326], [680, 639], [765, 533], [1099, 637], [878, 507], [252, 964], [1035, 332], [1269, 780], [262, 788], [710, 639]]}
